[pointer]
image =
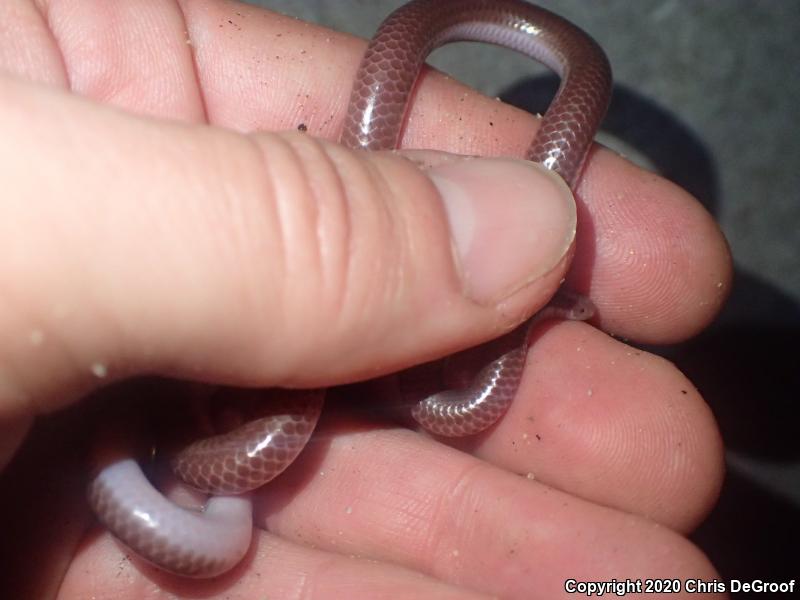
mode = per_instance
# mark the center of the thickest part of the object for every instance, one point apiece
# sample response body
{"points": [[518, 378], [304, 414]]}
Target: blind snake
{"points": [[210, 542]]}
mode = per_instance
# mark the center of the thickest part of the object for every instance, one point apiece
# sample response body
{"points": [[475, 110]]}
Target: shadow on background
{"points": [[752, 534], [745, 364], [747, 369]]}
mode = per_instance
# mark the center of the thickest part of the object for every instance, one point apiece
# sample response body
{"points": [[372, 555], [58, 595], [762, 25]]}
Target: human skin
{"points": [[142, 241]]}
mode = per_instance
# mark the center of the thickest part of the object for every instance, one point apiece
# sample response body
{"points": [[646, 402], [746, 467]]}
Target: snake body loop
{"points": [[393, 60]]}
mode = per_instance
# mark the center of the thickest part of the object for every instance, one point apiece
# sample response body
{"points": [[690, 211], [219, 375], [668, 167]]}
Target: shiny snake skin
{"points": [[476, 407], [210, 542]]}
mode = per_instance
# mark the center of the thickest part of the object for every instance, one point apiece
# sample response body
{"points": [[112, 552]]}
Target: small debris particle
{"points": [[684, 392], [302, 127], [530, 476], [99, 370], [36, 337], [538, 437]]}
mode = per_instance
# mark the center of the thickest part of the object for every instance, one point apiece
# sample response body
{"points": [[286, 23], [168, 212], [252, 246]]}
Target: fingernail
{"points": [[511, 222]]}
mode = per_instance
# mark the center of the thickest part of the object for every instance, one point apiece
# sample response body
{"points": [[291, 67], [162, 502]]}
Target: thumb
{"points": [[132, 245]]}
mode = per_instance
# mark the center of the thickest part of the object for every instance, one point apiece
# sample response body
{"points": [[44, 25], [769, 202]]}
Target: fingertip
{"points": [[511, 222], [658, 265], [612, 424]]}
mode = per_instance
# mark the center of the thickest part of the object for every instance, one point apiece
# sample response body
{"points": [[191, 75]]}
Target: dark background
{"points": [[707, 94]]}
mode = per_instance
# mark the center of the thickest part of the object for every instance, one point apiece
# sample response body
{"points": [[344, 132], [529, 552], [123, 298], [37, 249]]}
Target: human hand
{"points": [[136, 245]]}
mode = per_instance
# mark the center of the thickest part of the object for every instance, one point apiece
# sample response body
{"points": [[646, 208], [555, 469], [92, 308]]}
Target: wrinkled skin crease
{"points": [[208, 543]]}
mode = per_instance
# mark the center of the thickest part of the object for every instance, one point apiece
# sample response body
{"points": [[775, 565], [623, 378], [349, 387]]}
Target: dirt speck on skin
{"points": [[302, 128], [36, 338]]}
